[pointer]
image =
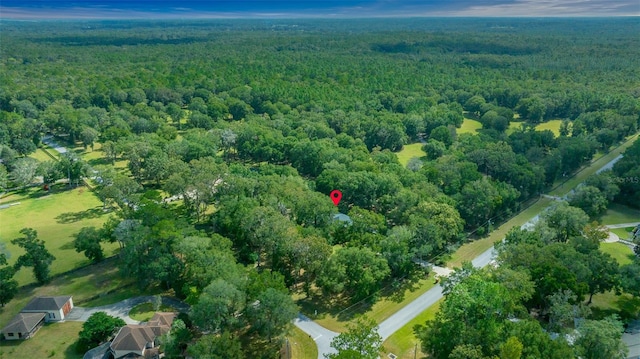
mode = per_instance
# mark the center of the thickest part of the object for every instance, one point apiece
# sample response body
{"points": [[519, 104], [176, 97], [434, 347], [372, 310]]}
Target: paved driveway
{"points": [[122, 309]]}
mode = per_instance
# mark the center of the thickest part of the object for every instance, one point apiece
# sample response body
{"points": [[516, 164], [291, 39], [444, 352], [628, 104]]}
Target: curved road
{"points": [[323, 336]]}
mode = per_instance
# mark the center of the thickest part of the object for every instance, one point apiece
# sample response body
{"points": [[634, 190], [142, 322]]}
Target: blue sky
{"points": [[22, 9]]}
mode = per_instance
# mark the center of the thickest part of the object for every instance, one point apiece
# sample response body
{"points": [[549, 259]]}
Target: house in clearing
{"points": [[56, 308], [142, 340], [38, 311], [23, 326]]}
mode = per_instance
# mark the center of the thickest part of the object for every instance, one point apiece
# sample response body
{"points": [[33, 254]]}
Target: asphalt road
{"points": [[323, 336]]}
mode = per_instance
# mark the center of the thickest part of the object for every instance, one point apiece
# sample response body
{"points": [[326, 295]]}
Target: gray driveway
{"points": [[122, 309]]}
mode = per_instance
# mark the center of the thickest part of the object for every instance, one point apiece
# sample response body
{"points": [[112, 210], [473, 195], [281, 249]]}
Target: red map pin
{"points": [[336, 196]]}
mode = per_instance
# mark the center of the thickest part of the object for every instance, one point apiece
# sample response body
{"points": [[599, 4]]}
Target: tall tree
{"points": [[217, 346], [36, 255], [601, 339], [360, 341], [8, 285], [271, 315], [88, 241], [218, 307], [98, 328]]}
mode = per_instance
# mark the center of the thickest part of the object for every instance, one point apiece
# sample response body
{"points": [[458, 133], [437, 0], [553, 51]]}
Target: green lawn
{"points": [[143, 312], [40, 155], [469, 126], [471, 250], [54, 340], [619, 251], [56, 217], [403, 342], [336, 318], [622, 233], [514, 126], [302, 345], [617, 214], [553, 126], [410, 151], [591, 169], [91, 286]]}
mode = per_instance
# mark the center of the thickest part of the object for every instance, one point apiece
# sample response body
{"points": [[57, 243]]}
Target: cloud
{"points": [[314, 8], [544, 8]]}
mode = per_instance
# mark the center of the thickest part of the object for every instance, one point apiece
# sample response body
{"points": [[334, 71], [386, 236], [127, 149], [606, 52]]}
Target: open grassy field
{"points": [[618, 213], [552, 125], [469, 126], [56, 217], [91, 286], [302, 346], [41, 156], [410, 151], [336, 319], [619, 251], [54, 340], [595, 166], [469, 251], [403, 342]]}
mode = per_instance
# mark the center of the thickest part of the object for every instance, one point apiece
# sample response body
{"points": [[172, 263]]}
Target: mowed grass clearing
{"points": [[410, 151], [404, 343], [302, 345], [57, 217], [618, 214], [552, 125], [54, 340], [469, 126], [619, 251]]}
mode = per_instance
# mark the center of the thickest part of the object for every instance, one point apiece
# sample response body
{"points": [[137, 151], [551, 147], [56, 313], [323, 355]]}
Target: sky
{"points": [[145, 9]]}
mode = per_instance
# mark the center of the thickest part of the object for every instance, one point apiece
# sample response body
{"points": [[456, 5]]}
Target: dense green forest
{"points": [[221, 141]]}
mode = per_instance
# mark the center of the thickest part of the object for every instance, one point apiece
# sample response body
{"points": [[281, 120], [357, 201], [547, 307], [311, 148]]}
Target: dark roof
{"points": [[46, 303], [136, 336], [162, 319], [23, 322], [133, 337]]}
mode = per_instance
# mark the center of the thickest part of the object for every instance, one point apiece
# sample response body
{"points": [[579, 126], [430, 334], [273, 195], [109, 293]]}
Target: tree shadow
{"points": [[71, 217]]}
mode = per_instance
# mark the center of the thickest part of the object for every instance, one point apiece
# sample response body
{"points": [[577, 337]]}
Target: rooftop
{"points": [[23, 322], [46, 303]]}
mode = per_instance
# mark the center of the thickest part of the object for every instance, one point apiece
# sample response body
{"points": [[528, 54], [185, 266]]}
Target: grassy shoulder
{"points": [[301, 345], [336, 318], [56, 215], [410, 151], [469, 251], [565, 188], [54, 340], [404, 343]]}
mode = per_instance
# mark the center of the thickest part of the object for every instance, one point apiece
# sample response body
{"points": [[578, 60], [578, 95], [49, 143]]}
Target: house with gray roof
{"points": [[38, 311], [23, 326], [56, 308]]}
